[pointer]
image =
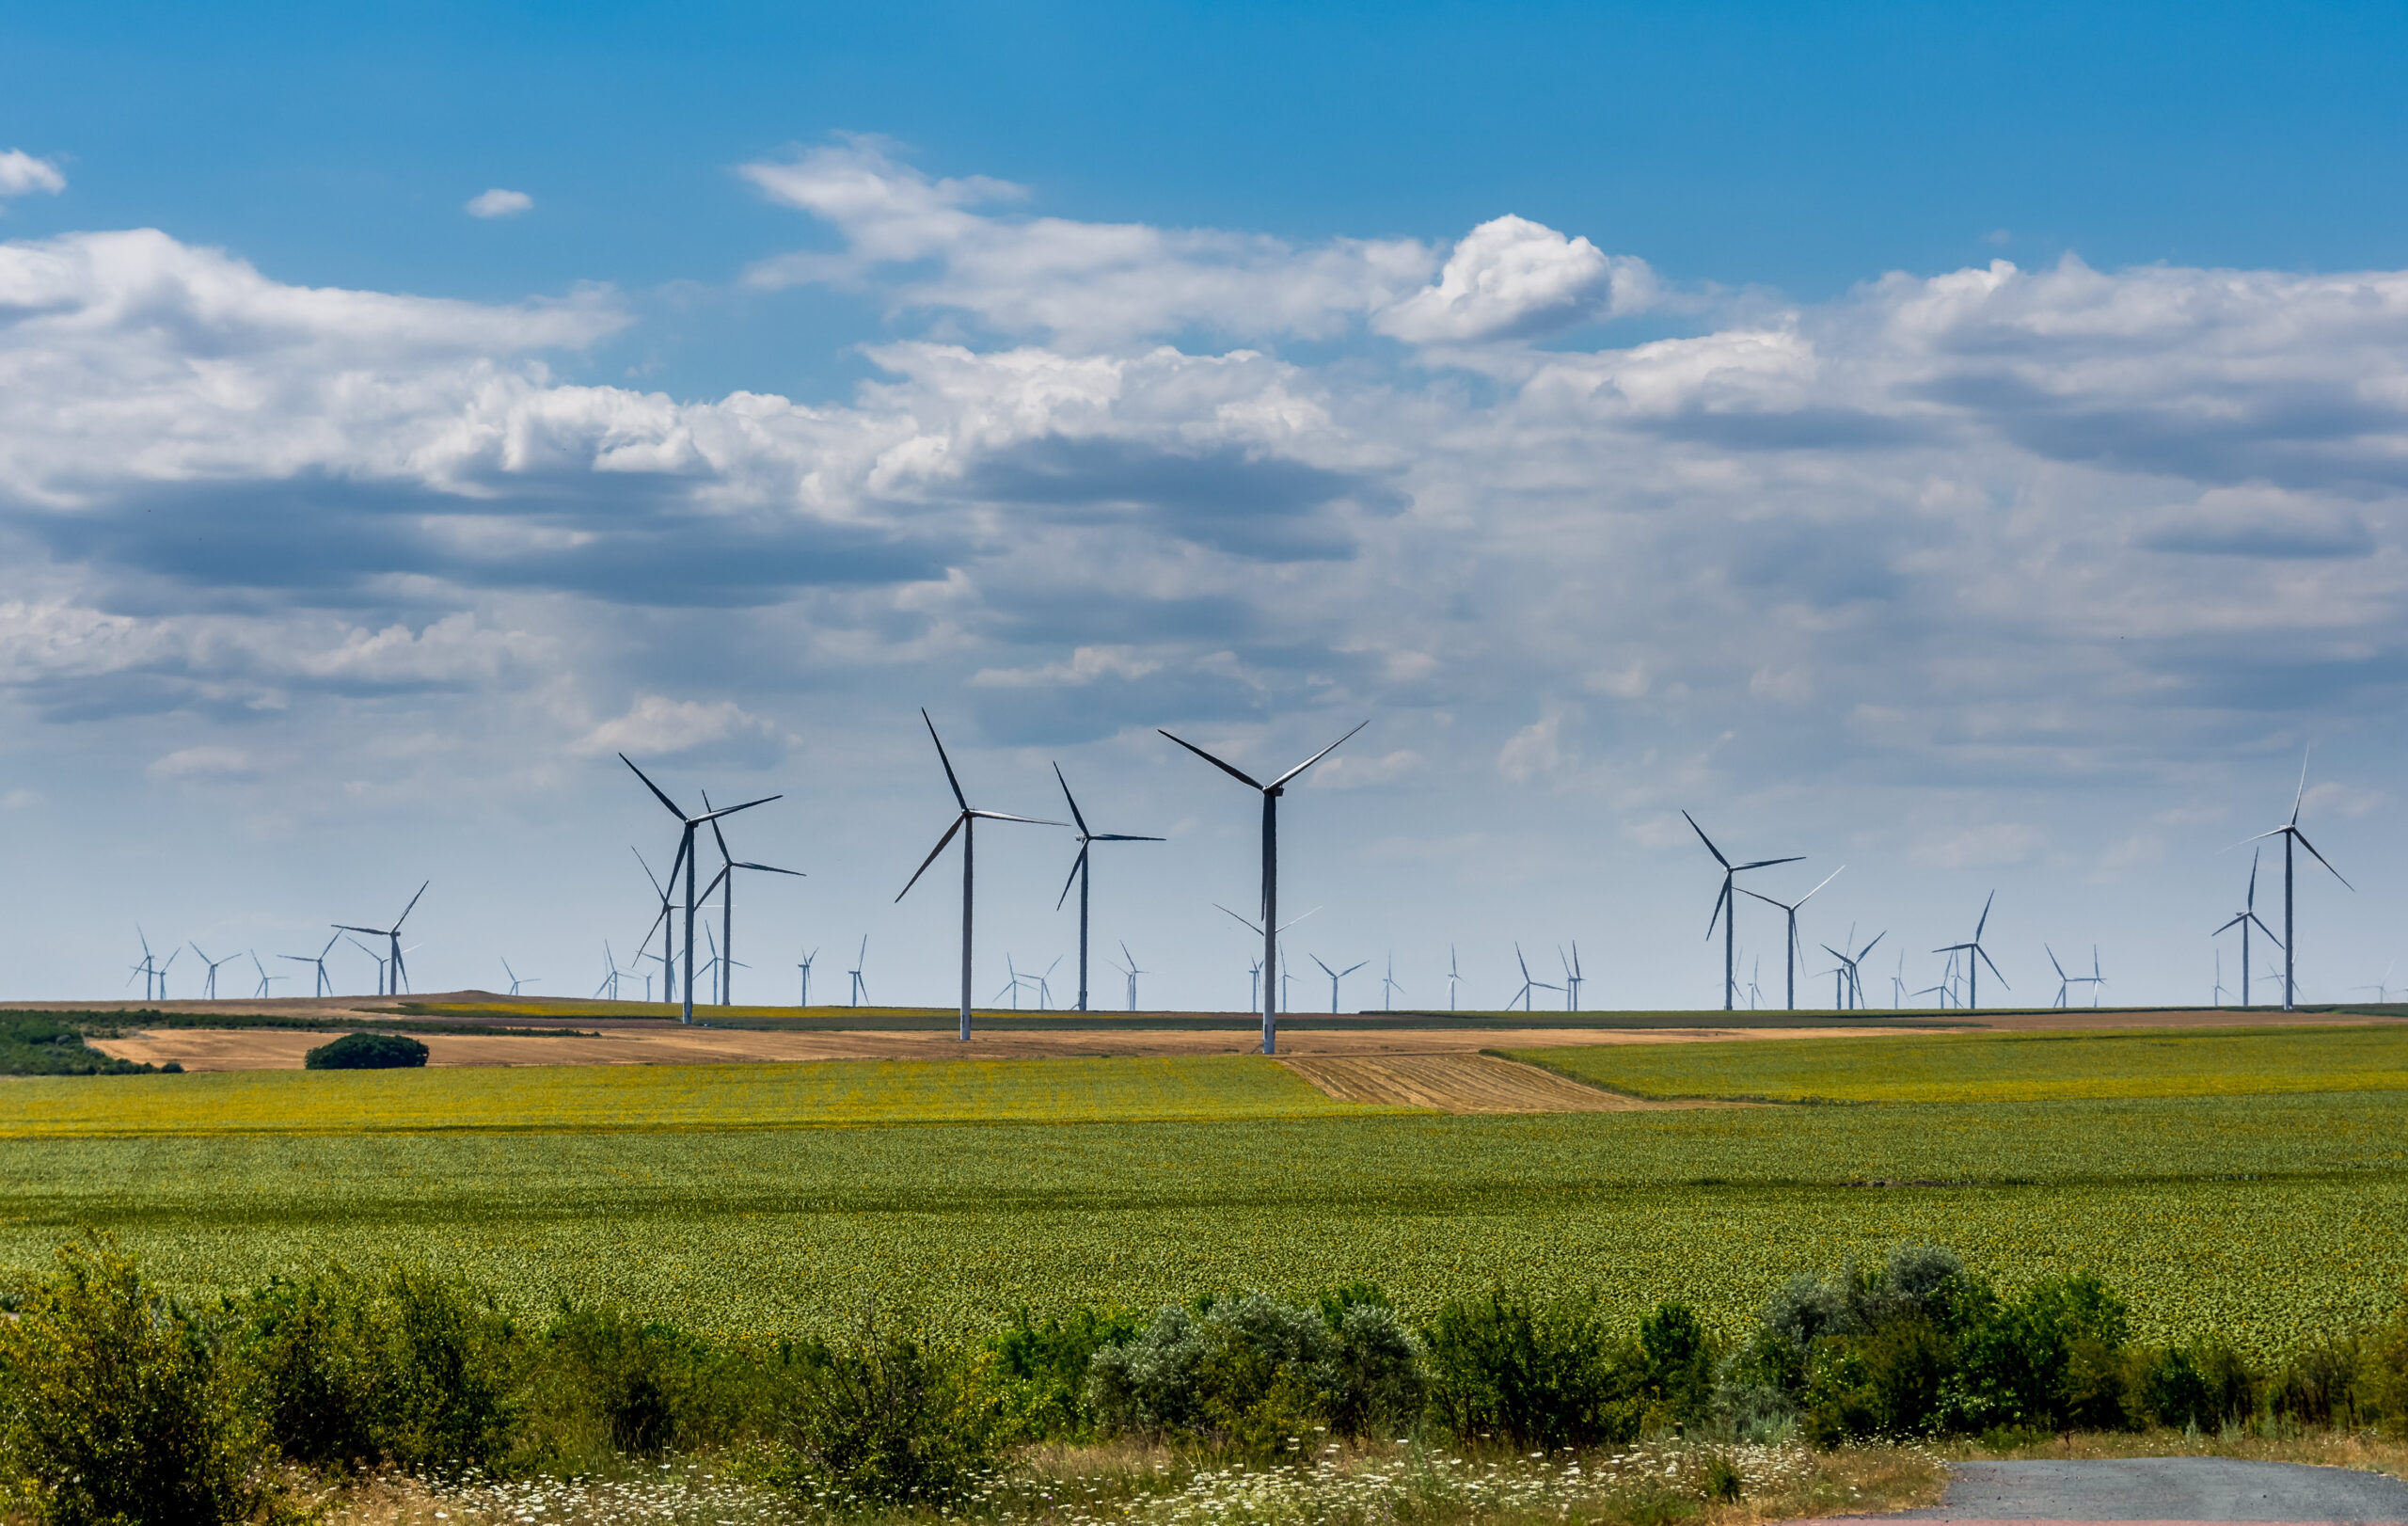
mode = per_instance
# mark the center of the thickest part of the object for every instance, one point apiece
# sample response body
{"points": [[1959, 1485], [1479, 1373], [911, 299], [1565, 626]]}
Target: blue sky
{"points": [[1963, 442]]}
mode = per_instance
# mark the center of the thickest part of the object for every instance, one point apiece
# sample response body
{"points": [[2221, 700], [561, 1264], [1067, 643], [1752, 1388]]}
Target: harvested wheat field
{"points": [[1463, 1083]]}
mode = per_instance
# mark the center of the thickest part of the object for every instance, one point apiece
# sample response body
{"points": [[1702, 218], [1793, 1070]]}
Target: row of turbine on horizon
{"points": [[391, 973], [1847, 976]]}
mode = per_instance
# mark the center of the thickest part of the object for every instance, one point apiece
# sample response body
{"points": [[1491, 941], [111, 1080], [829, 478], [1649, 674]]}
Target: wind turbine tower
{"points": [[1975, 957], [1726, 909], [1791, 909], [1080, 872], [2291, 833], [1271, 793], [391, 972], [2245, 919], [965, 823], [686, 856]]}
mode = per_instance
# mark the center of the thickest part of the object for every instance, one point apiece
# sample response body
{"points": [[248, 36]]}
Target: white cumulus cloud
{"points": [[22, 173], [498, 204]]}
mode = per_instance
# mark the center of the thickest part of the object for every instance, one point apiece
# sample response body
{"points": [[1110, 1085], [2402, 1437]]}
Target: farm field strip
{"points": [[2255, 1216], [846, 1093], [2000, 1067]]}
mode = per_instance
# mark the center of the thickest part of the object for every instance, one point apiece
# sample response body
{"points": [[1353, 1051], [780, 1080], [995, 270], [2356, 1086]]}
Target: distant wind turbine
{"points": [[516, 979], [861, 962], [323, 987], [1572, 977], [1726, 908], [687, 856], [2245, 919], [1271, 793], [1335, 975], [966, 824], [265, 979], [1262, 985], [2383, 987], [396, 973], [725, 879], [1389, 988], [1528, 985], [804, 965], [2064, 980], [1454, 977], [1975, 956], [2291, 833], [1081, 872], [1790, 908], [1132, 971], [209, 982]]}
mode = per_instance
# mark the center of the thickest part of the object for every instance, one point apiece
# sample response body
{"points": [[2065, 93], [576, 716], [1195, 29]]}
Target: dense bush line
{"points": [[34, 1043], [119, 1403]]}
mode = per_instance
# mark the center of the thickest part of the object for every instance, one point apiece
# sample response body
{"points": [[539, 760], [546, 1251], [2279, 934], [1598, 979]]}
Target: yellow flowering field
{"points": [[556, 1097], [2003, 1066]]}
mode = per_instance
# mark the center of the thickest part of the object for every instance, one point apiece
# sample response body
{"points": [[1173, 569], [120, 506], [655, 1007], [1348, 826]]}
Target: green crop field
{"points": [[1999, 1067], [2268, 1217], [553, 1098]]}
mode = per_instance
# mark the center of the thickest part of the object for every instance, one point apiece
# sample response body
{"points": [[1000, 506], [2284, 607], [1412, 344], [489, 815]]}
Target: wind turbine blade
{"points": [[1315, 758], [1073, 799], [2319, 858], [1827, 879], [1073, 879], [1121, 836], [718, 836], [720, 876], [1835, 953], [1293, 920], [1877, 938], [941, 843], [999, 815], [1708, 841], [1718, 901], [1984, 955], [1768, 863], [1250, 927], [1767, 899], [2264, 928], [1358, 964], [654, 787], [2252, 901], [1234, 774], [2275, 831], [2238, 918], [771, 868], [733, 809], [949, 778], [1324, 969], [380, 932], [2061, 969], [1985, 916], [2302, 792], [647, 872], [330, 944]]}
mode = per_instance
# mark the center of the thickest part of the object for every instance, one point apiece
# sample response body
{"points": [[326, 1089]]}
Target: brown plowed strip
{"points": [[1461, 1083]]}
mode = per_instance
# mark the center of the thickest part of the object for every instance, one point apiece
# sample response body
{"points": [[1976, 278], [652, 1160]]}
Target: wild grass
{"points": [[2002, 1067], [557, 1098]]}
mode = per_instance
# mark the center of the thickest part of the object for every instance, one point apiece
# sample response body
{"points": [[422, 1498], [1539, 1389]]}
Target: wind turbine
{"points": [[2244, 919], [2062, 978], [393, 940], [1727, 910], [1080, 872], [1335, 975], [377, 957], [1975, 957], [804, 965], [861, 962], [2382, 988], [2291, 833], [1572, 977], [1263, 985], [1254, 984], [209, 986], [1012, 987], [611, 980], [1898, 982], [686, 856], [2094, 977], [1856, 969], [1389, 988], [1791, 909], [2216, 997], [1271, 793], [1454, 977], [516, 979], [149, 968], [667, 955], [1129, 970], [323, 987], [1753, 991], [1044, 985], [1528, 985], [965, 823], [728, 864], [265, 978]]}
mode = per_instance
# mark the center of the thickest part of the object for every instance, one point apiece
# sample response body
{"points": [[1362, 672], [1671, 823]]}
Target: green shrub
{"points": [[2052, 1360], [606, 1385], [110, 1408], [1039, 1372], [366, 1052], [415, 1368], [2319, 1385], [1679, 1364], [886, 1420], [36, 1043], [2204, 1386], [1535, 1375]]}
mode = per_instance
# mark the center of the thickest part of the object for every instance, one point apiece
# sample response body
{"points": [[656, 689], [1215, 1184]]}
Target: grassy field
{"points": [[2266, 1218], [2001, 1067], [627, 1097]]}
